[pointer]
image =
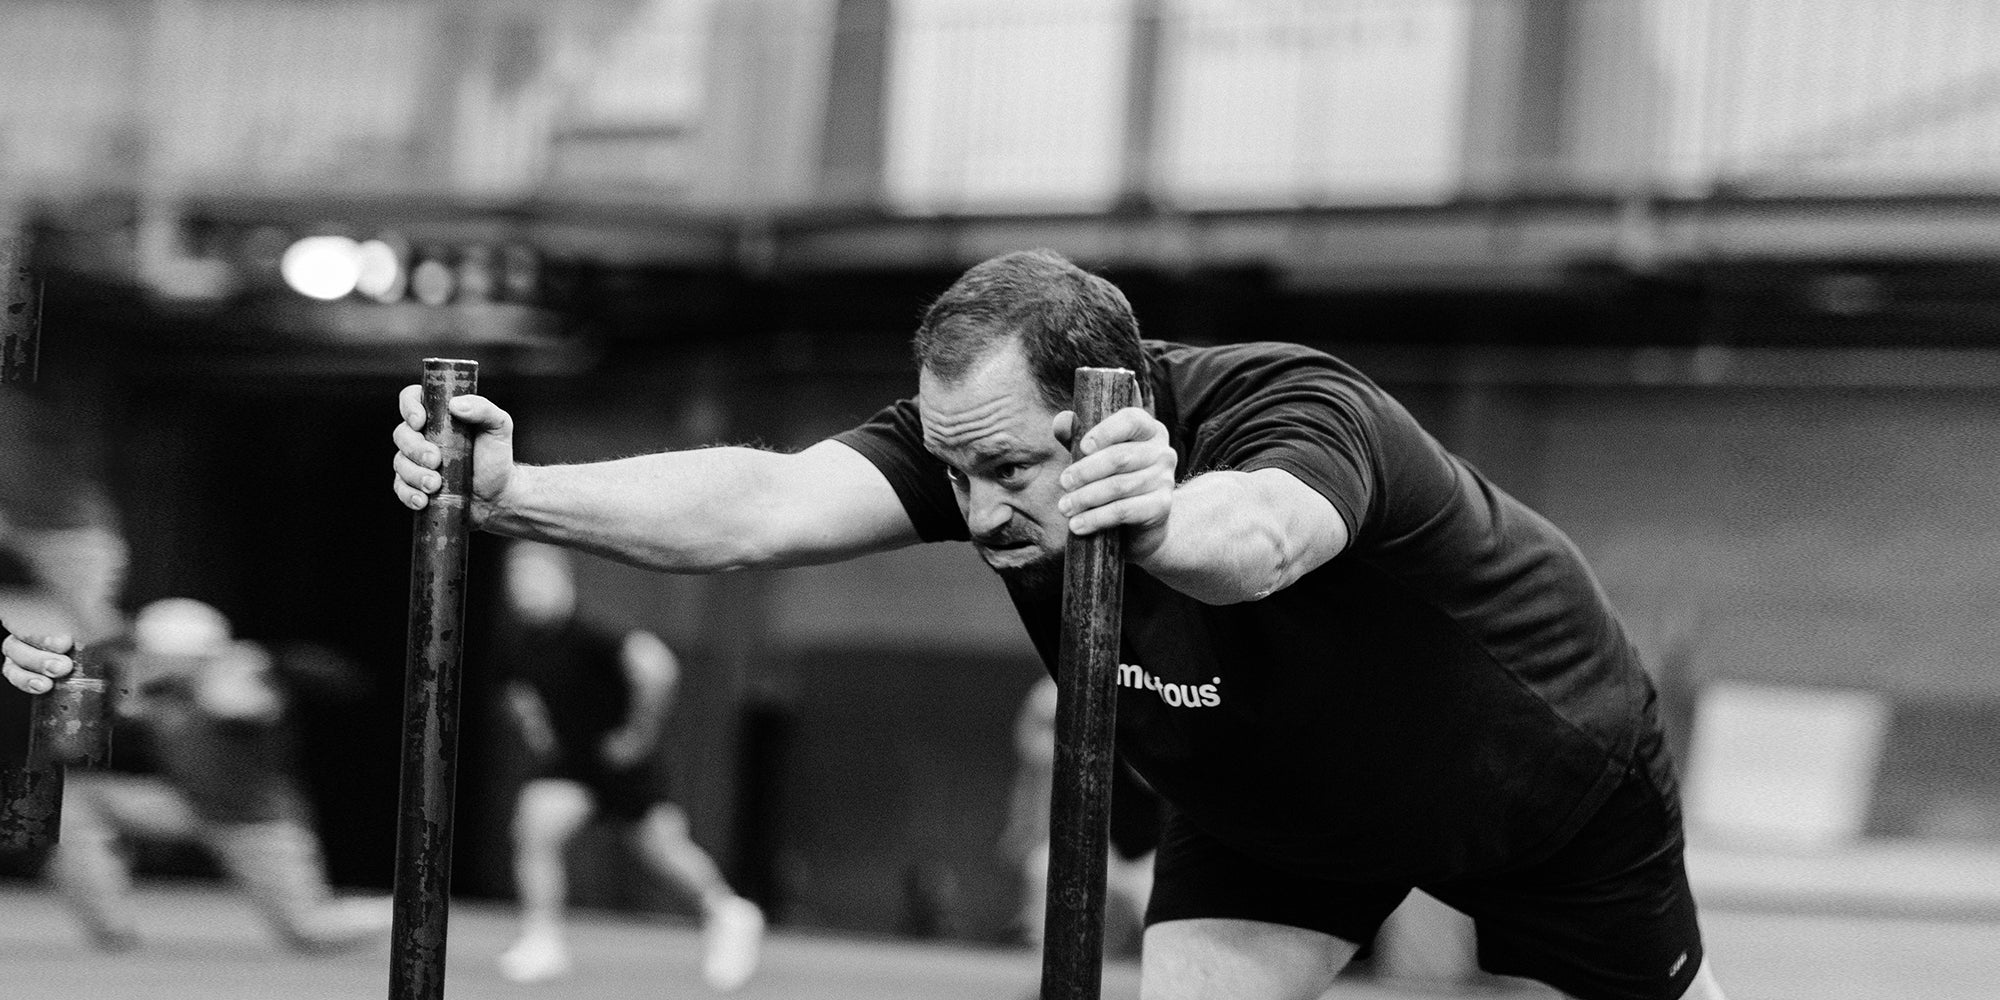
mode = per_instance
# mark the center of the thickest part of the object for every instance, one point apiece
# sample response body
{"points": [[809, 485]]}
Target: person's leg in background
{"points": [[89, 867], [279, 864], [1034, 893], [732, 927], [547, 815]]}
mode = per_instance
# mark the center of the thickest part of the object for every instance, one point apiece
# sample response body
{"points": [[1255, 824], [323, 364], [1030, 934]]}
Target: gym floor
{"points": [[204, 943]]}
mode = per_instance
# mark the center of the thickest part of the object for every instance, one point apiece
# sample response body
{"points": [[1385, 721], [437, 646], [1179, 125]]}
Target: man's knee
{"points": [[1214, 958], [667, 821], [550, 811], [1704, 986]]}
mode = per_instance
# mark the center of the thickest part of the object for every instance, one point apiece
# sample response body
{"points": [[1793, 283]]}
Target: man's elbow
{"points": [[1271, 577], [1262, 566]]}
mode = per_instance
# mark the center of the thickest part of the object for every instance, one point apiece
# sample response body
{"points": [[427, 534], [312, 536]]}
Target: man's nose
{"points": [[986, 510]]}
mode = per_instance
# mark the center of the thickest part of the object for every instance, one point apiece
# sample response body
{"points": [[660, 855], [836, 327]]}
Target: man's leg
{"points": [[547, 815], [1214, 958], [732, 926], [1034, 893], [88, 867], [278, 863], [1128, 885], [1609, 915], [1704, 986]]}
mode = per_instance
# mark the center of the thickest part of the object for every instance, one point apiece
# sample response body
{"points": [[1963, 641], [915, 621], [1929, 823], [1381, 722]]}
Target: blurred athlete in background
{"points": [[591, 706], [211, 713], [1135, 829]]}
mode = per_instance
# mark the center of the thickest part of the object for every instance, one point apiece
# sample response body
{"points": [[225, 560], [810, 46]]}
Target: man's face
{"points": [[997, 441]]}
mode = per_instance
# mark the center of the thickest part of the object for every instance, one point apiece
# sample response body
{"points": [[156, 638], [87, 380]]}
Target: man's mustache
{"points": [[1004, 538]]}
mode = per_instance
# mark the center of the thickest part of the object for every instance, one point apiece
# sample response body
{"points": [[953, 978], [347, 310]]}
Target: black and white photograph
{"points": [[1000, 499]]}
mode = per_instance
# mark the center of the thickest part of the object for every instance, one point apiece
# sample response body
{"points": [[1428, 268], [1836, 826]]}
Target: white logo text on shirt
{"points": [[1178, 695]]}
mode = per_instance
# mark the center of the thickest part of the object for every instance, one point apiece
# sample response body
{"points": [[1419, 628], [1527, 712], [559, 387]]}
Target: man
{"points": [[213, 717], [1352, 665], [591, 706]]}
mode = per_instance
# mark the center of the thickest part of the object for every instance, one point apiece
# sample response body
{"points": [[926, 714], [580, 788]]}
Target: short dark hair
{"points": [[1064, 317]]}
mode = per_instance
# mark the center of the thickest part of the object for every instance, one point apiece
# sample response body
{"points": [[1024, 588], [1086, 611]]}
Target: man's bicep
{"points": [[647, 660], [836, 504]]}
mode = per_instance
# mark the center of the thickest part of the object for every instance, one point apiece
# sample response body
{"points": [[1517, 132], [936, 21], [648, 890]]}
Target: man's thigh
{"points": [[1224, 925], [132, 805], [1213, 958], [1609, 916]]}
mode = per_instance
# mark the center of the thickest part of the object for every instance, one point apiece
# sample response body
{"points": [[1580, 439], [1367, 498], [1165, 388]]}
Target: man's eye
{"points": [[1010, 472]]}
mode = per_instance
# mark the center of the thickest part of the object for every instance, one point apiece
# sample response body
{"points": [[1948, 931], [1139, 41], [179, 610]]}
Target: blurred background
{"points": [[1713, 283]]}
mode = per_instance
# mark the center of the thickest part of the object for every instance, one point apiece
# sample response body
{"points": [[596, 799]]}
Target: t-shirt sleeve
{"points": [[893, 439], [1300, 412]]}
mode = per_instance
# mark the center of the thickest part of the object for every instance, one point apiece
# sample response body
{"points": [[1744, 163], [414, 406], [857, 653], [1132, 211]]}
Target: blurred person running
{"points": [[212, 714], [591, 706]]}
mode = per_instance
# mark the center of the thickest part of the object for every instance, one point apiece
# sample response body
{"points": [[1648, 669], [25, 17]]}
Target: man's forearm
{"points": [[648, 714], [683, 512], [708, 510]]}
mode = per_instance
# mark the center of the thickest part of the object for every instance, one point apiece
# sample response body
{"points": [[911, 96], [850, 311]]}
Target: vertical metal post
{"points": [[69, 726], [1093, 605], [30, 795], [431, 695], [20, 311]]}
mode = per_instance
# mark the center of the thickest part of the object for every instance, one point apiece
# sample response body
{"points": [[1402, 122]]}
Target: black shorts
{"points": [[1136, 814], [625, 794], [1607, 916]]}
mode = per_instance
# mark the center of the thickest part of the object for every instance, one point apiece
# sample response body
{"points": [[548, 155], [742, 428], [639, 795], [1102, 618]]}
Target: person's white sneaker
{"points": [[732, 936], [535, 958]]}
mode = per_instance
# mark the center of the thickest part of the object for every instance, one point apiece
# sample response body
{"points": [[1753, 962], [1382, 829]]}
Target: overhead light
{"points": [[520, 272], [322, 267], [476, 280], [433, 282], [382, 276]]}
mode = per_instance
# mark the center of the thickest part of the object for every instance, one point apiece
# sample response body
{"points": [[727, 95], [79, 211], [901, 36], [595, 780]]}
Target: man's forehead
{"points": [[958, 414], [982, 440]]}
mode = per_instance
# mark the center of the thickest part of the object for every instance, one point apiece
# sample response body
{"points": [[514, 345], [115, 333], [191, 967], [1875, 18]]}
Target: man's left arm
{"points": [[651, 673], [1221, 537]]}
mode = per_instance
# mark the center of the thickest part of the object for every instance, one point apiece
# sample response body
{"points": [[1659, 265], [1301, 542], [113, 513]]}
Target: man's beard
{"points": [[1042, 577]]}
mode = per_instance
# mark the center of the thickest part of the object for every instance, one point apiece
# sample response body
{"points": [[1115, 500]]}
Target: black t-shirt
{"points": [[577, 669], [1449, 695], [232, 770]]}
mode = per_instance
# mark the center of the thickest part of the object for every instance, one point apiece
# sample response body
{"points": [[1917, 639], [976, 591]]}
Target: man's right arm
{"points": [[531, 718], [700, 511]]}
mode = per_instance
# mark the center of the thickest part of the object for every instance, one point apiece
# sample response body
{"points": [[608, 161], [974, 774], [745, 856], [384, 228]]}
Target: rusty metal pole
{"points": [[1093, 605], [20, 311], [69, 724], [431, 695], [32, 803]]}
